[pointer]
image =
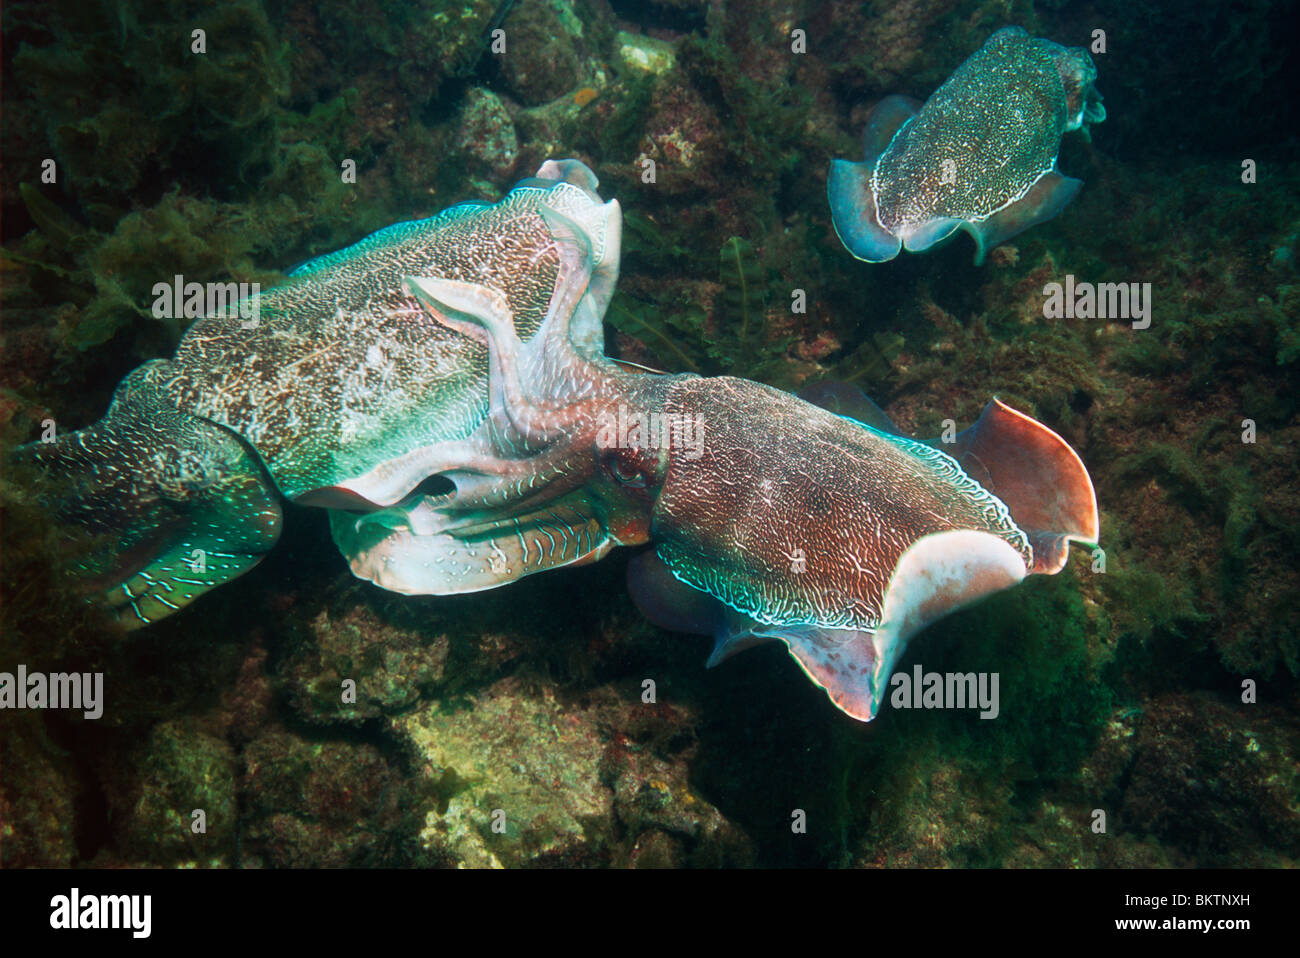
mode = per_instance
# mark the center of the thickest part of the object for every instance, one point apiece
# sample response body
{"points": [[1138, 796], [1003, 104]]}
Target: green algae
{"points": [[734, 337]]}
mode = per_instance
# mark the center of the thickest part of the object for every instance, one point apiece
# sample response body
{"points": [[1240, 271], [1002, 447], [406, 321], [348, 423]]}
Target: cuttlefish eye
{"points": [[433, 486], [627, 474], [626, 470]]}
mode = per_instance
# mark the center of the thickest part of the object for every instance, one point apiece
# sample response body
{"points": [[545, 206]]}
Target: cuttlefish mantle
{"points": [[979, 155], [843, 539]]}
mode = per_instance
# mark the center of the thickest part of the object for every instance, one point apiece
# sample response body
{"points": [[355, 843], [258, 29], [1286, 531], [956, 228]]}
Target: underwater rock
{"points": [[326, 805], [542, 59], [527, 770], [979, 155], [889, 43], [941, 817], [155, 786], [656, 849], [518, 777], [1216, 781], [407, 52], [654, 800], [389, 663], [39, 796], [682, 135], [486, 134], [645, 53]]}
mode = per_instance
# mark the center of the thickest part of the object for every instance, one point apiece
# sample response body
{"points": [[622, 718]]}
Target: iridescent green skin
{"points": [[783, 481], [344, 370]]}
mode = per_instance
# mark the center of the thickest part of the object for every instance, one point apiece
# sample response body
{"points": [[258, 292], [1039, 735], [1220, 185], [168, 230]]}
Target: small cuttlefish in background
{"points": [[979, 155]]}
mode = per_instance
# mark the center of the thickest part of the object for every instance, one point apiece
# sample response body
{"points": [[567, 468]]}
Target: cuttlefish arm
{"points": [[530, 490]]}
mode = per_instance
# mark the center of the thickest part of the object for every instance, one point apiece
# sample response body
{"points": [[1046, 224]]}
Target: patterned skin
{"points": [[441, 389], [980, 155], [338, 396]]}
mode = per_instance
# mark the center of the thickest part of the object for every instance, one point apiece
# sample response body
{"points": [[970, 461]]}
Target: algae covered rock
{"points": [[529, 788], [1217, 781], [542, 59], [354, 666], [519, 777], [39, 792], [172, 797], [330, 804], [486, 134]]}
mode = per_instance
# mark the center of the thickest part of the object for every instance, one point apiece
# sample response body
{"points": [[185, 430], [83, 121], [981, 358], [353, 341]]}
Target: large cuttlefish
{"points": [[979, 155], [441, 389]]}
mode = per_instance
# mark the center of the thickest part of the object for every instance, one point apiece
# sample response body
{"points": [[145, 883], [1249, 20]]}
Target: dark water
{"points": [[1148, 689]]}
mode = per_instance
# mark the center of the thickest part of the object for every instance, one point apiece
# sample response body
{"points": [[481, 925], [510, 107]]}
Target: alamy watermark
{"points": [[946, 690], [1071, 300], [75, 911], [636, 429], [53, 690], [181, 300]]}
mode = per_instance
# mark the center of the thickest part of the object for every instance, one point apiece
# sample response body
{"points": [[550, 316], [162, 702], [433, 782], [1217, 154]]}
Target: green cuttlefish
{"points": [[979, 155], [441, 389]]}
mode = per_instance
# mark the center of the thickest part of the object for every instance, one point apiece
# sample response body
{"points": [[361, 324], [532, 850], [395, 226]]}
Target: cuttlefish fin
{"points": [[854, 214], [884, 121], [1034, 471], [847, 400], [672, 604], [569, 171], [1042, 481], [849, 185], [669, 602], [938, 574], [158, 506], [1045, 199], [931, 233]]}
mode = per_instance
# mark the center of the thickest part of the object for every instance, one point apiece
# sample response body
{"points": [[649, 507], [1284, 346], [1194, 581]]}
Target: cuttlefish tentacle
{"points": [[523, 499], [539, 385], [479, 552], [514, 452]]}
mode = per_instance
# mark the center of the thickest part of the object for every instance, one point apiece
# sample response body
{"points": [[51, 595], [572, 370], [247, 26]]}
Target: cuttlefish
{"points": [[441, 389], [979, 155]]}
